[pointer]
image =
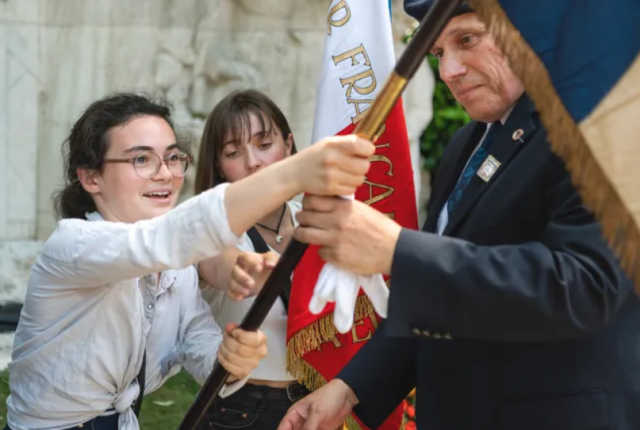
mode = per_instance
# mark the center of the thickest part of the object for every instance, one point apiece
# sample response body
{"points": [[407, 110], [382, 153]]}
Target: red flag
{"points": [[358, 58]]}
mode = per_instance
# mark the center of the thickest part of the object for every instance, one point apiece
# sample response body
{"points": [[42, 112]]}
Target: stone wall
{"points": [[56, 56]]}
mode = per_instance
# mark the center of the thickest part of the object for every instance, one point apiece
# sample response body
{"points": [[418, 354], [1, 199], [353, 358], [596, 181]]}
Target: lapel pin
{"points": [[517, 134], [488, 168]]}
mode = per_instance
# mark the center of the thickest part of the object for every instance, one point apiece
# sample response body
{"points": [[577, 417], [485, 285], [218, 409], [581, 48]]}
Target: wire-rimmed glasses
{"points": [[147, 164]]}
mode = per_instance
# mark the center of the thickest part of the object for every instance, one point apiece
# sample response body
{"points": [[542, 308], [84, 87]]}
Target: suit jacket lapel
{"points": [[508, 140], [458, 151]]}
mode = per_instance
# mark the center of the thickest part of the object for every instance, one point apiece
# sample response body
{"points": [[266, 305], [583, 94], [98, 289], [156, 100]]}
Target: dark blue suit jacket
{"points": [[519, 317]]}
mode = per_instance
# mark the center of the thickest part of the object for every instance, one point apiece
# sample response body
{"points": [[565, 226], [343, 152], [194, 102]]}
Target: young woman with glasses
{"points": [[113, 307]]}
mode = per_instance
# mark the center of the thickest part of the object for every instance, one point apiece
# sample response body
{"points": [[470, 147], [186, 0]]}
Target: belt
{"points": [[292, 392], [101, 422]]}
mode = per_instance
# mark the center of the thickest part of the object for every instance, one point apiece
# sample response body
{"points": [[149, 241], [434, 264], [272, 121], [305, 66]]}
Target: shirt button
{"points": [[150, 306]]}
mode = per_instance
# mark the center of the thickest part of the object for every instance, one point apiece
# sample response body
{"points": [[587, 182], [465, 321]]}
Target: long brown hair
{"points": [[231, 118]]}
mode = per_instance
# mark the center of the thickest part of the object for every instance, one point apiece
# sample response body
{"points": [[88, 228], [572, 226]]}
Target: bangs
{"points": [[230, 122], [238, 125]]}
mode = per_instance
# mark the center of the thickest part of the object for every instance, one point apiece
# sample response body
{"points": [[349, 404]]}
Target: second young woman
{"points": [[245, 133]]}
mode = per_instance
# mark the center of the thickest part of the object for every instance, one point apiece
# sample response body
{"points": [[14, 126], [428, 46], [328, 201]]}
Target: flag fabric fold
{"points": [[358, 57], [579, 61]]}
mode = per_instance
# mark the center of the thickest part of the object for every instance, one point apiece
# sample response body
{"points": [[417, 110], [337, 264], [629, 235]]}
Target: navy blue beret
{"points": [[419, 8]]}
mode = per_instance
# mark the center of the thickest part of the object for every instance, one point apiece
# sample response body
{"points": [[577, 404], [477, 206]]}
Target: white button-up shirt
{"points": [[99, 294], [274, 366]]}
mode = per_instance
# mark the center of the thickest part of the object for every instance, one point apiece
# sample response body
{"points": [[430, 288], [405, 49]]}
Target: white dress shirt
{"points": [[274, 366], [99, 294]]}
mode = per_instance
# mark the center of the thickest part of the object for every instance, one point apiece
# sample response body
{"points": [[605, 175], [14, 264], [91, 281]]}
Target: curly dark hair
{"points": [[88, 142]]}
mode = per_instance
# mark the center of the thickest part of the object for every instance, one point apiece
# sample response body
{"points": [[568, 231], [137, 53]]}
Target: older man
{"points": [[508, 311]]}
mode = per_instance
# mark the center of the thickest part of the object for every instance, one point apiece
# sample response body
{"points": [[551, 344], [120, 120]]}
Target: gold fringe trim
{"points": [[306, 375], [310, 338], [587, 175], [323, 330], [351, 424]]}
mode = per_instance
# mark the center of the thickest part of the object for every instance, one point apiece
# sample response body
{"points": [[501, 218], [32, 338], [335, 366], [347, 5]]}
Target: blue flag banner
{"points": [[579, 62]]}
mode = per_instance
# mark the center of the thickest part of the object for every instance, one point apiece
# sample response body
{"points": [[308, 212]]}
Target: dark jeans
{"points": [[100, 423], [252, 407]]}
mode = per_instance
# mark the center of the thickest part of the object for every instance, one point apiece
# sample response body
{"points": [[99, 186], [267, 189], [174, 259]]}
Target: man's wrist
{"points": [[349, 394]]}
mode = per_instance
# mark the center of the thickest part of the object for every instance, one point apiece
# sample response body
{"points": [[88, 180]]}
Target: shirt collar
{"points": [[505, 117], [93, 216], [503, 120]]}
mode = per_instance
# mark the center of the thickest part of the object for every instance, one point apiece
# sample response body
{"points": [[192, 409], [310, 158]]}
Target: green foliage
{"points": [[4, 393], [161, 410], [448, 117], [165, 408]]}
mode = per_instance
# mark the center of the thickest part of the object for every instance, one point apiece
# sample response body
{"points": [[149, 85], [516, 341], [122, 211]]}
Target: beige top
{"points": [[273, 367]]}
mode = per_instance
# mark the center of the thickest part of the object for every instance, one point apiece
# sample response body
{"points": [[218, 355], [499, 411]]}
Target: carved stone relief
{"points": [[57, 56]]}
